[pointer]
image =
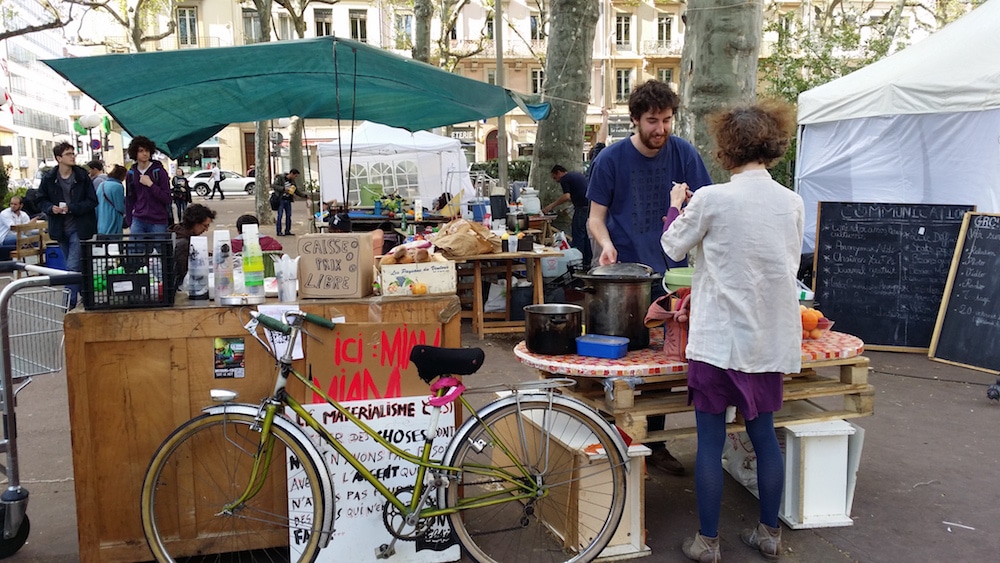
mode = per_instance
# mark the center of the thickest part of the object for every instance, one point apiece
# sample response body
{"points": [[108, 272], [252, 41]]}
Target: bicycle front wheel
{"points": [[203, 467], [570, 463]]}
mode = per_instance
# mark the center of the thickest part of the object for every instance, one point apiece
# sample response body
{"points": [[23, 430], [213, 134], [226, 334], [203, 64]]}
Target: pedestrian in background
{"points": [[216, 182], [96, 170], [147, 190], [284, 186], [67, 196], [574, 187], [745, 329], [111, 202], [180, 191]]}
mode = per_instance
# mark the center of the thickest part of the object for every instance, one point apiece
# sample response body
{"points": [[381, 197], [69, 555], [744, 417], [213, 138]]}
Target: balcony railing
{"points": [[623, 46], [513, 49], [662, 48]]}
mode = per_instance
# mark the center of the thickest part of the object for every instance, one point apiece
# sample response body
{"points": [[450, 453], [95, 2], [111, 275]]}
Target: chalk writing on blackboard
{"points": [[969, 318], [881, 268]]}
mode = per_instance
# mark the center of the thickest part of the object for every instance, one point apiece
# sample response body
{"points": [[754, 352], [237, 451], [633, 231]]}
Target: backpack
{"points": [[275, 201]]}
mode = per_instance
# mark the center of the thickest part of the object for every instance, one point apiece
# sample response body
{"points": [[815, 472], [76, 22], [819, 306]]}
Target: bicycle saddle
{"points": [[432, 361]]}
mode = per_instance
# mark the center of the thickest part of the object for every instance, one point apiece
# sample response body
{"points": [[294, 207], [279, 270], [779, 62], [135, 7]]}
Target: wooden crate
{"points": [[135, 375], [631, 404]]}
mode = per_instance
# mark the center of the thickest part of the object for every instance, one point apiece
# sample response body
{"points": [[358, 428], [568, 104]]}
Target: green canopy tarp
{"points": [[181, 98]]}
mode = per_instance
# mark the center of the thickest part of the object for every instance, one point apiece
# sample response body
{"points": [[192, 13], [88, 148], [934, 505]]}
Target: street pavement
{"points": [[926, 487]]}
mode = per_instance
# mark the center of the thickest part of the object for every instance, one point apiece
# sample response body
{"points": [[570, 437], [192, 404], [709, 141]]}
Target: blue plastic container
{"points": [[478, 212], [601, 346], [54, 257]]}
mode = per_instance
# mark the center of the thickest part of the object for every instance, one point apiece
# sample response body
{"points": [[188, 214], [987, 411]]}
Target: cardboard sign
{"points": [[336, 265]]}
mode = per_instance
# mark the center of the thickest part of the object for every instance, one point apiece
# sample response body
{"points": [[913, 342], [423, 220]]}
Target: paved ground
{"points": [[926, 488]]}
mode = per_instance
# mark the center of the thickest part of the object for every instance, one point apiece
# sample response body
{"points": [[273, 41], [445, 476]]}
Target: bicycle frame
{"points": [[520, 485]]}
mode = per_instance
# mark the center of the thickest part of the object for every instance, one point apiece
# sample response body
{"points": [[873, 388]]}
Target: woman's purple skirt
{"points": [[712, 389]]}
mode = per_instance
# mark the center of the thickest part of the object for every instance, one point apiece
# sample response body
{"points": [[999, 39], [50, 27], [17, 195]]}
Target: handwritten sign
{"points": [[336, 265], [881, 268], [359, 526], [968, 324]]}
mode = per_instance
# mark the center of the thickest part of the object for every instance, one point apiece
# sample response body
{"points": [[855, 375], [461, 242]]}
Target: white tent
{"points": [[920, 126], [414, 165]]}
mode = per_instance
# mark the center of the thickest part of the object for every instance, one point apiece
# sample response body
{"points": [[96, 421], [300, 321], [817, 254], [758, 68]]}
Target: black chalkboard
{"points": [[968, 324], [881, 268]]}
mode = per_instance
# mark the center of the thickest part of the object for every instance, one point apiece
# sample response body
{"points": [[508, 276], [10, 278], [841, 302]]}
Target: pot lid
{"points": [[623, 271]]}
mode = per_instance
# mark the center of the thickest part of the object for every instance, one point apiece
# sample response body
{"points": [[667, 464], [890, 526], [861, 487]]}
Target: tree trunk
{"points": [[568, 62], [262, 140], [718, 67], [423, 10]]}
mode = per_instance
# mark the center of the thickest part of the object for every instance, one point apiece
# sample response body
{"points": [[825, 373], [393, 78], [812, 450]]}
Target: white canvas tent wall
{"points": [[440, 162], [920, 126]]}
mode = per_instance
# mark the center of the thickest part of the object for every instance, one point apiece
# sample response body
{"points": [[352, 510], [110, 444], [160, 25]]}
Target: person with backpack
{"points": [[111, 202], [180, 191], [147, 190], [284, 186]]}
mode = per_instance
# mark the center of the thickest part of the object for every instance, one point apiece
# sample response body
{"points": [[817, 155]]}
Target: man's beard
{"points": [[651, 142]]}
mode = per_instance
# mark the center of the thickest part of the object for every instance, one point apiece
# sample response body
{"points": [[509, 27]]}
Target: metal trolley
{"points": [[31, 340]]}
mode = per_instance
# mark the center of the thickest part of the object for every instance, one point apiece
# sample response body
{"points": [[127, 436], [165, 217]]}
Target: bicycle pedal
{"points": [[385, 551]]}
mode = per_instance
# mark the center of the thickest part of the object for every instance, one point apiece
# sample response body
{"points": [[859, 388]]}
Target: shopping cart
{"points": [[31, 312]]}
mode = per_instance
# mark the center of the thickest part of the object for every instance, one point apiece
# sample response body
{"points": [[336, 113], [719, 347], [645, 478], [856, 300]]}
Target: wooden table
{"points": [[134, 375], [482, 324], [644, 383]]}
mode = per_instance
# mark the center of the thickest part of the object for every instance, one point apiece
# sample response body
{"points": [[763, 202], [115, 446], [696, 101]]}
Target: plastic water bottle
{"points": [[222, 261], [197, 268], [253, 262]]}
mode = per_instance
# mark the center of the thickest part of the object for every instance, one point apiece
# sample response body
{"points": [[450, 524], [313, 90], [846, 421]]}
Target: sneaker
{"points": [[702, 549], [765, 539], [289, 234], [662, 460]]}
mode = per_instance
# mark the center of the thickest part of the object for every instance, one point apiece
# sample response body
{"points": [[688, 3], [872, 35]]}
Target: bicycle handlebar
{"points": [[279, 326]]}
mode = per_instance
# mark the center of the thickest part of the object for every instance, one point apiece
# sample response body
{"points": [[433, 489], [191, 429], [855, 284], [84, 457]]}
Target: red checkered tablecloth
{"points": [[650, 361]]}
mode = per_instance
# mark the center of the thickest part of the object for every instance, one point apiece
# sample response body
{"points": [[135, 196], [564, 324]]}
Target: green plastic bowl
{"points": [[676, 278]]}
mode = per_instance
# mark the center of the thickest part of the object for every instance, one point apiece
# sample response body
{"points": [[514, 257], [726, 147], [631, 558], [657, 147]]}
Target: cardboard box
{"points": [[336, 265], [438, 275]]}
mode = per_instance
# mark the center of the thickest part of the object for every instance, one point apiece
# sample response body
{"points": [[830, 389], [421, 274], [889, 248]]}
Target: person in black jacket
{"points": [[284, 186], [69, 201]]}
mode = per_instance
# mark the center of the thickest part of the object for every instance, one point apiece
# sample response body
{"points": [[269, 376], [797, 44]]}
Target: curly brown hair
{"points": [[140, 141], [760, 132], [653, 95]]}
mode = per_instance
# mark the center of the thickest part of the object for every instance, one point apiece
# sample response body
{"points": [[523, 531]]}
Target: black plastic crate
{"points": [[128, 271]]}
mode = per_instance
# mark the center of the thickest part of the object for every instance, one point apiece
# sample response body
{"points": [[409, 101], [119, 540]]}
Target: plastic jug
{"points": [[253, 261], [529, 199]]}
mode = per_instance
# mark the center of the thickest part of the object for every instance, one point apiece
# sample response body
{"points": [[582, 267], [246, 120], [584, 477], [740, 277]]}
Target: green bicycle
{"points": [[533, 476]]}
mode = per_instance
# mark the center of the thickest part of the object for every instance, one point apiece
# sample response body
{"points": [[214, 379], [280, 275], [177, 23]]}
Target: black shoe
{"points": [[289, 234], [662, 460], [280, 235]]}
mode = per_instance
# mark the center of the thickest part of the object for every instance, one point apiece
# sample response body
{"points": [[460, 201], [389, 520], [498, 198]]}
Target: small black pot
{"points": [[552, 328]]}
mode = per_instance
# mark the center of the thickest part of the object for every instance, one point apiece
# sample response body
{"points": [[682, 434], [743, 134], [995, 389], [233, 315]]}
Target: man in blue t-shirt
{"points": [[630, 181], [629, 193], [574, 187]]}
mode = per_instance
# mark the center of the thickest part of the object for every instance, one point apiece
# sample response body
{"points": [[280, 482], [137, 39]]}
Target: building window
{"points": [[665, 75], [75, 99], [663, 29], [489, 27], [286, 30], [404, 31], [623, 84], [491, 76], [359, 25], [536, 27], [324, 21], [453, 33], [251, 27], [623, 32], [187, 27], [537, 79]]}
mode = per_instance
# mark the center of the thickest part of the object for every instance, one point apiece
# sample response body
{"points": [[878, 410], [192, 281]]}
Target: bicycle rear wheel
{"points": [[580, 491], [203, 466]]}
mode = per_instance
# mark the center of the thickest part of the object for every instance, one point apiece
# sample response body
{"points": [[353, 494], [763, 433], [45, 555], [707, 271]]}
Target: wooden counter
{"points": [[135, 375], [644, 383]]}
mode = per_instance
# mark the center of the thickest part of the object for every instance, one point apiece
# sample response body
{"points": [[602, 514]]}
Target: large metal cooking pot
{"points": [[517, 222], [617, 298], [552, 328]]}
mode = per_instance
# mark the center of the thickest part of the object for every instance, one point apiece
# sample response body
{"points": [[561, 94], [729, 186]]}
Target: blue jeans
{"points": [[70, 246], [284, 210], [181, 205]]}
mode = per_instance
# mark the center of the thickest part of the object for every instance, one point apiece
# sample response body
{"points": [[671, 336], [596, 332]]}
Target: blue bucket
{"points": [[54, 257], [478, 212]]}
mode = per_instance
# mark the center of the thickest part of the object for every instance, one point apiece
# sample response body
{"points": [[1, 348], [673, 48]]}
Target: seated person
{"points": [[9, 217], [195, 222], [266, 243]]}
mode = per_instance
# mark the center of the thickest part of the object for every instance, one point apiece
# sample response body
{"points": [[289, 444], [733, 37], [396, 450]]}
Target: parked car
{"points": [[232, 183]]}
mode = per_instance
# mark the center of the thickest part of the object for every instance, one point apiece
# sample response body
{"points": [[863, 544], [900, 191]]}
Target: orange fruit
{"points": [[805, 335], [808, 320], [816, 334]]}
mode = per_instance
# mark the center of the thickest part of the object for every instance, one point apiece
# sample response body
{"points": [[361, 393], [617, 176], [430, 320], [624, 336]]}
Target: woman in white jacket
{"points": [[745, 328]]}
